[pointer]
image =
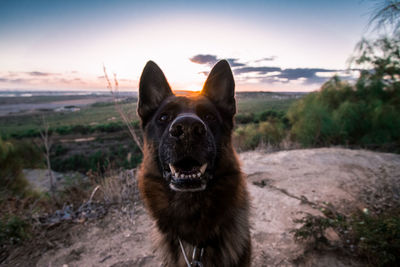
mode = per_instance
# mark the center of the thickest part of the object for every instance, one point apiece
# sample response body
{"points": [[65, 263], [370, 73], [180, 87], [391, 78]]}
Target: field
{"points": [[101, 110], [88, 132]]}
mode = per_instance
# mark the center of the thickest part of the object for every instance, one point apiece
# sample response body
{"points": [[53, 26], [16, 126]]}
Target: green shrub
{"points": [[244, 118], [12, 180], [26, 133], [100, 160], [379, 238], [13, 230], [250, 136], [272, 132], [60, 150], [110, 127], [338, 115], [372, 238], [28, 154], [364, 114]]}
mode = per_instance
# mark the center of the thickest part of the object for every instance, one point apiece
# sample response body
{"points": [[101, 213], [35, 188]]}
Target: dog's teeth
{"points": [[199, 174], [182, 175], [173, 171], [193, 175], [177, 174], [203, 168]]}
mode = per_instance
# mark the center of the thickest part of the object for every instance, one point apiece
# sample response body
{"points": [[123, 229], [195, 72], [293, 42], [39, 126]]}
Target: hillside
{"points": [[283, 185]]}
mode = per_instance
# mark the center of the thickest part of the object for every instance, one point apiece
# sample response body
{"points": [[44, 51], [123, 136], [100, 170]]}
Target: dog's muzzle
{"points": [[188, 174]]}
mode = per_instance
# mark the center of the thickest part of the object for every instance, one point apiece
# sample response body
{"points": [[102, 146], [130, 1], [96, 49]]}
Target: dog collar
{"points": [[196, 257]]}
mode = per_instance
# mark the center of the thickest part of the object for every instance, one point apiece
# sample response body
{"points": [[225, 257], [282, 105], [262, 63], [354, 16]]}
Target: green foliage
{"points": [[244, 118], [26, 133], [98, 161], [379, 238], [314, 227], [373, 238], [28, 154], [13, 230], [365, 114], [12, 180], [251, 135]]}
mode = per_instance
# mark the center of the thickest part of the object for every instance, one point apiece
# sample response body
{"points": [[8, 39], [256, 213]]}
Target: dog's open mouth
{"points": [[188, 175]]}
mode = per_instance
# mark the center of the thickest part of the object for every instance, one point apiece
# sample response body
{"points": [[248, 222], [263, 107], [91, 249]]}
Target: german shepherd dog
{"points": [[190, 178]]}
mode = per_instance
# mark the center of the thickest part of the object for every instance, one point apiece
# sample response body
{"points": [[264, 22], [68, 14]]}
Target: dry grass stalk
{"points": [[119, 188], [114, 92], [44, 133]]}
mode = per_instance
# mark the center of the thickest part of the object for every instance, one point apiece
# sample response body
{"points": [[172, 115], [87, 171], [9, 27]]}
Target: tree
{"points": [[386, 14]]}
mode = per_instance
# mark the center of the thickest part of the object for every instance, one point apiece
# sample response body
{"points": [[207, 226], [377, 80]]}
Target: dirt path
{"points": [[281, 185]]}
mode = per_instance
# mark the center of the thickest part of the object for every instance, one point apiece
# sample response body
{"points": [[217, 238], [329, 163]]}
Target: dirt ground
{"points": [[282, 186]]}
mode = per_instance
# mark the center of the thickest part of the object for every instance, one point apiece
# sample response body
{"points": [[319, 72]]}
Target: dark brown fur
{"points": [[216, 218]]}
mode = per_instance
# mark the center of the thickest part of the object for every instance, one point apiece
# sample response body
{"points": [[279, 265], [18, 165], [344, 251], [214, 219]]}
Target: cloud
{"points": [[204, 59], [271, 58], [39, 73], [248, 73], [36, 78], [234, 62], [293, 74], [212, 59], [259, 70], [18, 80]]}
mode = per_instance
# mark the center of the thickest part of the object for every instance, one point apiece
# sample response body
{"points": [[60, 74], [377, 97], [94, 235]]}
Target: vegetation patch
{"points": [[371, 237]]}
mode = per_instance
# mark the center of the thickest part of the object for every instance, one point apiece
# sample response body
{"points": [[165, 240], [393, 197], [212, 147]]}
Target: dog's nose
{"points": [[187, 125]]}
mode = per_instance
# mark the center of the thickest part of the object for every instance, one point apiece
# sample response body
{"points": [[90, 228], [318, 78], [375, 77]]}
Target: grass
{"points": [[101, 113], [90, 115], [258, 104], [40, 99]]}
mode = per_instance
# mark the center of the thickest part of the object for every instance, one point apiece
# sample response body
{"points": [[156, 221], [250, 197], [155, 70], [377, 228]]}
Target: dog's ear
{"points": [[220, 87], [153, 89]]}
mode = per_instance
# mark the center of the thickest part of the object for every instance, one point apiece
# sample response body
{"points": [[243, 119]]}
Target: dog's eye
{"points": [[164, 117], [210, 117]]}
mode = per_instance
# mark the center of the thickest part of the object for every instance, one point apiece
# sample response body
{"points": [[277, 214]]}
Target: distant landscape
{"points": [[87, 131]]}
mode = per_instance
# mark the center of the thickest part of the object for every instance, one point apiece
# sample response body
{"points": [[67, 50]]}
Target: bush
{"points": [[338, 114], [379, 238], [375, 239], [26, 133], [365, 114], [250, 136], [110, 127], [12, 180], [13, 230], [100, 160], [244, 118]]}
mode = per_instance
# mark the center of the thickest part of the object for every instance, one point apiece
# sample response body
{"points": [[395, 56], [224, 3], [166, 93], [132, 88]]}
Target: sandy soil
{"points": [[279, 184]]}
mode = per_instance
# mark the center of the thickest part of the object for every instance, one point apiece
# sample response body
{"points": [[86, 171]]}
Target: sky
{"points": [[272, 45]]}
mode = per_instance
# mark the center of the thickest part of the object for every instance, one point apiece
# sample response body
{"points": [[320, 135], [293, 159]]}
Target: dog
{"points": [[190, 179]]}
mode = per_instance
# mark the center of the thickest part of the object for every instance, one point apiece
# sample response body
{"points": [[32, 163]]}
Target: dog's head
{"points": [[187, 133]]}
